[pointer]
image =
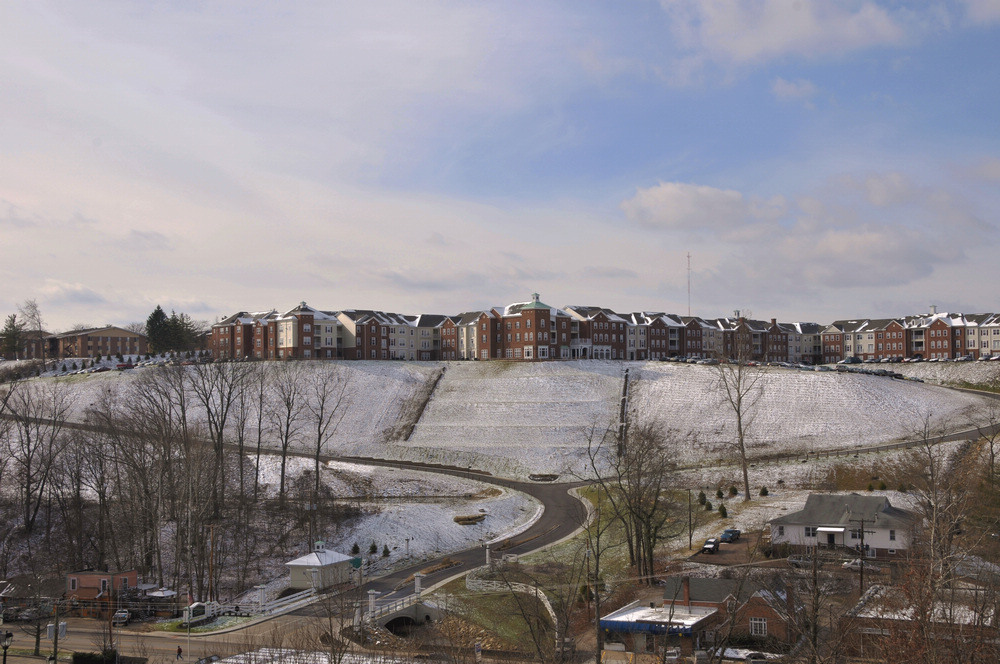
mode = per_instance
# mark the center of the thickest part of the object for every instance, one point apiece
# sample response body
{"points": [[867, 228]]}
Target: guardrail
{"points": [[392, 607], [286, 603]]}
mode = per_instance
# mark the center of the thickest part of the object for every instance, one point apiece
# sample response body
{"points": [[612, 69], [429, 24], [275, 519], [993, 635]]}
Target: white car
{"points": [[857, 563]]}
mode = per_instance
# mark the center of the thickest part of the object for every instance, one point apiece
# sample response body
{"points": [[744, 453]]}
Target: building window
{"points": [[892, 535], [72, 583], [781, 531], [758, 627], [104, 585], [810, 531], [855, 534]]}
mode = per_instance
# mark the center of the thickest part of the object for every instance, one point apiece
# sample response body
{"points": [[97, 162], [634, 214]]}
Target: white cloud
{"points": [[745, 31], [982, 11], [987, 169], [686, 206], [886, 189], [800, 89], [701, 210]]}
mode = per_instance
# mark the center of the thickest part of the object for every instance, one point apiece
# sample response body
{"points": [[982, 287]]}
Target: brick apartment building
{"points": [[109, 340], [929, 336], [533, 330]]}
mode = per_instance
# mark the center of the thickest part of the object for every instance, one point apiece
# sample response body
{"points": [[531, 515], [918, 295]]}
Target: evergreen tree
{"points": [[158, 330], [12, 337]]}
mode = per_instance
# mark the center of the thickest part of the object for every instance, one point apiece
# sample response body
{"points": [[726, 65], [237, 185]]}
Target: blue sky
{"points": [[818, 159]]}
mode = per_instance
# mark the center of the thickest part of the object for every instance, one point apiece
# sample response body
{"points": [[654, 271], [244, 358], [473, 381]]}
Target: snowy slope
{"points": [[796, 410], [516, 418]]}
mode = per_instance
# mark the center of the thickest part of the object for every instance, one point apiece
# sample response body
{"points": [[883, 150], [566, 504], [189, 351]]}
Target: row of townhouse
{"points": [[929, 336], [528, 331]]}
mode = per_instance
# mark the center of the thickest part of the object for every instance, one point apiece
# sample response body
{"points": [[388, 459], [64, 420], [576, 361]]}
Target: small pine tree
{"points": [[723, 512], [75, 367], [903, 488], [119, 357], [355, 549], [733, 491], [763, 491], [63, 369], [97, 358], [373, 549], [871, 487], [702, 497], [385, 551], [882, 486], [719, 494], [708, 506]]}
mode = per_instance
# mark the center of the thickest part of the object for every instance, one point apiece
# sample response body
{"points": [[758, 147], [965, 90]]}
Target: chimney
{"points": [[686, 591], [933, 309], [774, 321]]}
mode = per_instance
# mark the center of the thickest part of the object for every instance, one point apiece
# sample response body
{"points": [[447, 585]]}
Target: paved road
{"points": [[562, 515]]}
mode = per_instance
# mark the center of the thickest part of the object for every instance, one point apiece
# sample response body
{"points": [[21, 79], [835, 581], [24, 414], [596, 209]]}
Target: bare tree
{"points": [[31, 314], [987, 422], [741, 385], [39, 411], [287, 405], [217, 387], [327, 402], [637, 479]]}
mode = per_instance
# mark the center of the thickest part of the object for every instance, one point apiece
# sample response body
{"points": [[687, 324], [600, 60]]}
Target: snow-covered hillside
{"points": [[796, 410], [516, 418], [513, 419]]}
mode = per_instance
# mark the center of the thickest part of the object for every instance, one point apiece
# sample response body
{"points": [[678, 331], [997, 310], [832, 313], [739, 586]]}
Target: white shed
{"points": [[321, 568]]}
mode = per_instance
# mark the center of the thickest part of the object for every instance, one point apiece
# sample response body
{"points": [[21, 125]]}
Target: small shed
{"points": [[321, 568]]}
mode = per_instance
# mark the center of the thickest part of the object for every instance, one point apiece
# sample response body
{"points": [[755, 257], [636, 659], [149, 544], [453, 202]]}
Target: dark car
{"points": [[800, 562], [730, 535]]}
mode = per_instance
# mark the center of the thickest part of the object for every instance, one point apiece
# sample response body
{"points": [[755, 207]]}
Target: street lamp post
{"points": [[8, 637]]}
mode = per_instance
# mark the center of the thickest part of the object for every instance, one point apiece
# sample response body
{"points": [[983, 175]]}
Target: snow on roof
{"points": [[882, 602], [639, 616], [319, 559], [847, 509]]}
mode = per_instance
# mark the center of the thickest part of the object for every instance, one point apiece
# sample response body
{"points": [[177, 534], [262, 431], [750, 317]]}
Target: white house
{"points": [[847, 521], [321, 568]]}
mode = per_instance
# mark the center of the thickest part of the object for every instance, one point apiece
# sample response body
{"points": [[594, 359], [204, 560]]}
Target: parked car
{"points": [[857, 564], [711, 545], [800, 562], [850, 360], [121, 617], [730, 535]]}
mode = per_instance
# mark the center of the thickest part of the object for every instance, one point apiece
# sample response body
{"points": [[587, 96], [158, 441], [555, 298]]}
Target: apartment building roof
{"points": [[94, 330]]}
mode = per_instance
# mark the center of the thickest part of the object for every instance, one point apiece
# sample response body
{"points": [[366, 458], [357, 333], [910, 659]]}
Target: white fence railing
{"points": [[474, 583]]}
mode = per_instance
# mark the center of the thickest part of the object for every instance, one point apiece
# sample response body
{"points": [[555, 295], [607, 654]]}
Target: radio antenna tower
{"points": [[689, 283]]}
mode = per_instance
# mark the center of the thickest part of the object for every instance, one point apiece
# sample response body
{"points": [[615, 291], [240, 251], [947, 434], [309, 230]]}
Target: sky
{"points": [[817, 159]]}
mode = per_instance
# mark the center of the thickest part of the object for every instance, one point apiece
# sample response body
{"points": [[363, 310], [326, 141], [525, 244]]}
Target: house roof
{"points": [[713, 591], [847, 510], [319, 559]]}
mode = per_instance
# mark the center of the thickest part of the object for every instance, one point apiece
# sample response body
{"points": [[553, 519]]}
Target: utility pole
{"points": [[690, 524], [861, 551]]}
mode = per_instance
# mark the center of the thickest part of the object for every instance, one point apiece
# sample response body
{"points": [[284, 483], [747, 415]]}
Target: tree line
{"points": [[166, 474]]}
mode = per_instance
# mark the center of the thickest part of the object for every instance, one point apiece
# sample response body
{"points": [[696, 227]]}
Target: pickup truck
{"points": [[711, 545], [730, 535]]}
